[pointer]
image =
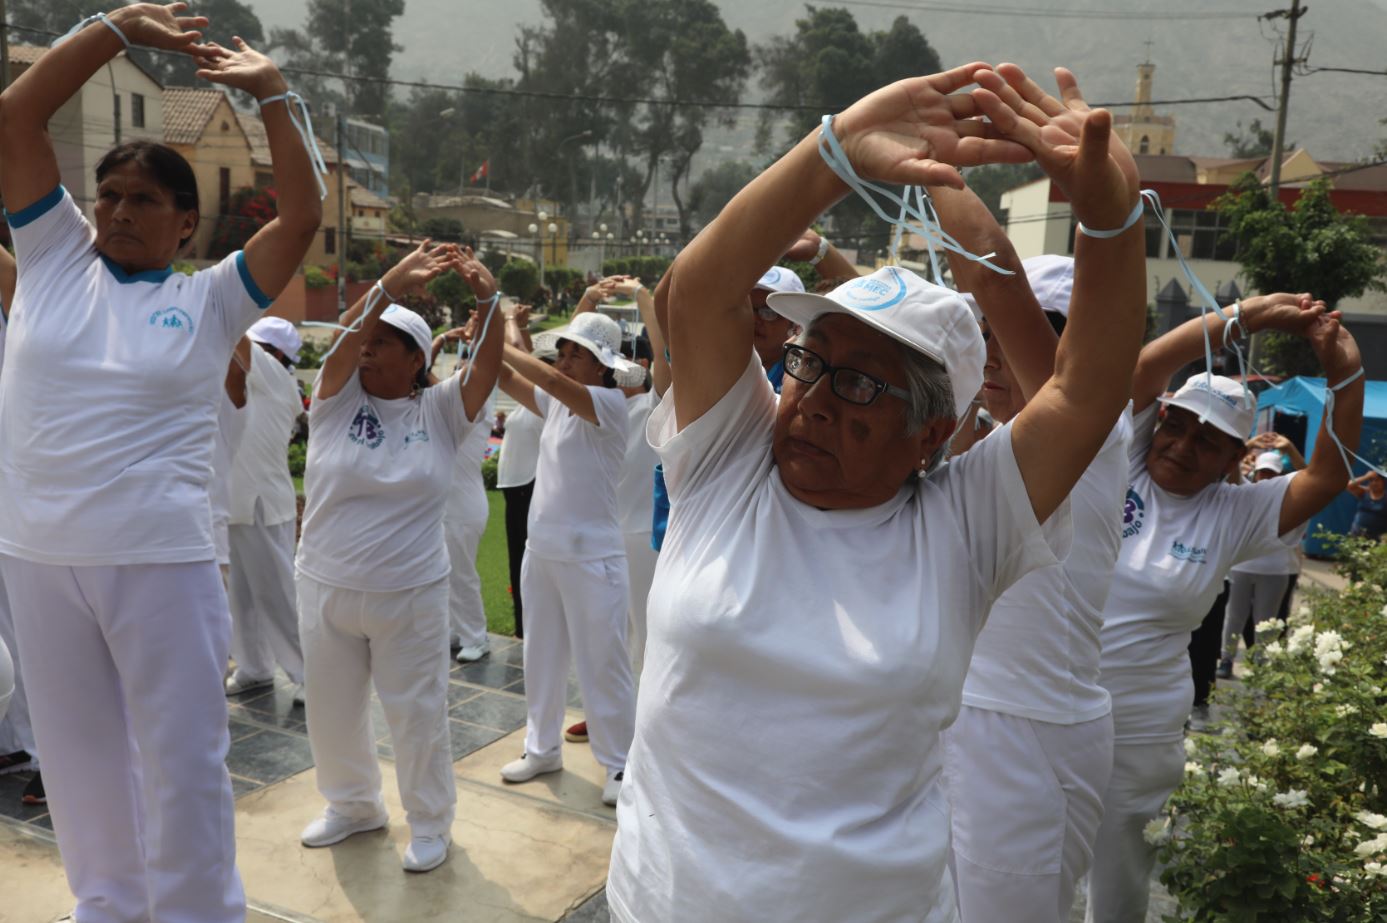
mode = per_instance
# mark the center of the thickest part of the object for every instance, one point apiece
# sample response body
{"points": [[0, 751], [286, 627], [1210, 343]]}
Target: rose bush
{"points": [[1283, 813]]}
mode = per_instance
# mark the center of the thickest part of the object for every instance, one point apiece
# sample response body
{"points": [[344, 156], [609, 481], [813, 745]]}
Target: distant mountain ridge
{"points": [[1335, 116]]}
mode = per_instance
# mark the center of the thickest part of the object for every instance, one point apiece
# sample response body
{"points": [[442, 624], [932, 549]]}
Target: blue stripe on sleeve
{"points": [[259, 297], [34, 212]]}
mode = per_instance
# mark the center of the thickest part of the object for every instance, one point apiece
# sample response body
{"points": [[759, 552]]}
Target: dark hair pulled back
{"points": [[164, 165]]}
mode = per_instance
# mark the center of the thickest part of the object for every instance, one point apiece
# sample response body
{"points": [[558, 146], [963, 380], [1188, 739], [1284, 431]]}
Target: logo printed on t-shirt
{"points": [[1182, 552], [172, 319], [366, 428], [1133, 514], [419, 435]]}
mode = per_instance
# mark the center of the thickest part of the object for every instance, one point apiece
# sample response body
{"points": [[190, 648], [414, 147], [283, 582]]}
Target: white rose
{"points": [[1374, 870], [1308, 841], [1195, 770], [1306, 751], [1379, 730], [1229, 776], [1327, 641], [1190, 747], [1294, 798], [1300, 639], [1343, 711], [1377, 844], [1256, 783], [1274, 649], [1329, 660], [1369, 819], [1317, 688], [1271, 748], [1156, 831]]}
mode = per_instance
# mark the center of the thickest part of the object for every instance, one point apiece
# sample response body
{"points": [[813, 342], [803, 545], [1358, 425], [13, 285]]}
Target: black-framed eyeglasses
{"points": [[851, 385]]}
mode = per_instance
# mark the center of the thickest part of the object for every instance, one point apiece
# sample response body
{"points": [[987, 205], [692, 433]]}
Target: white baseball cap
{"points": [[411, 323], [1219, 400], [601, 336], [1052, 280], [928, 318], [279, 333], [1269, 461], [780, 279]]}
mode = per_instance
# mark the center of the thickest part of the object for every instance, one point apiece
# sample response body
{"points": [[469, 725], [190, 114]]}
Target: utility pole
{"points": [[341, 212], [4, 46], [1287, 62]]}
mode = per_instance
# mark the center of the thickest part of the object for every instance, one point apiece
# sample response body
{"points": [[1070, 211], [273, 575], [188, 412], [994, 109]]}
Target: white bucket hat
{"points": [[279, 333], [1052, 280], [601, 336], [928, 318], [1269, 461], [1219, 400], [411, 323]]}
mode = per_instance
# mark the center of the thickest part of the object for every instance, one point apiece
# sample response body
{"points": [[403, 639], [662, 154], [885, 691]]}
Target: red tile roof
{"points": [[187, 111]]}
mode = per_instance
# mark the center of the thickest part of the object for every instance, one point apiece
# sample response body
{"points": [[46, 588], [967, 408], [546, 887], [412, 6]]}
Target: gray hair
{"points": [[931, 397]]}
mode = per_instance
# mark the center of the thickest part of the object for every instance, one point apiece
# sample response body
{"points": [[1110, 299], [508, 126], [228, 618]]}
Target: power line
{"points": [[1343, 70], [988, 10]]}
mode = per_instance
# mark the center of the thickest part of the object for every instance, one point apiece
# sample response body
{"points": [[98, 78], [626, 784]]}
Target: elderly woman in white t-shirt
{"points": [[115, 366], [372, 562], [1184, 527], [815, 604]]}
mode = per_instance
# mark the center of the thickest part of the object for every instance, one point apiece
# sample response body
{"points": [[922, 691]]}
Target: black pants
{"points": [[517, 522], [1206, 645]]}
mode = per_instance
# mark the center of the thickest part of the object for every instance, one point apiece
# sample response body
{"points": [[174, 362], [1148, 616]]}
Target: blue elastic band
{"points": [[492, 302], [94, 17], [912, 218], [1132, 219], [304, 123]]}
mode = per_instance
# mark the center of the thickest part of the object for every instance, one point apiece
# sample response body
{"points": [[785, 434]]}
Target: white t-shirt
{"points": [[111, 394], [1038, 656], [377, 475], [467, 504], [635, 497], [1175, 553], [573, 514], [800, 666], [515, 466], [231, 426], [261, 467]]}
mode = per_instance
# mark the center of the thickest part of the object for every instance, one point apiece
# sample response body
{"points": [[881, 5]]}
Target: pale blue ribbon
{"points": [[373, 298], [303, 121], [491, 303], [94, 17]]}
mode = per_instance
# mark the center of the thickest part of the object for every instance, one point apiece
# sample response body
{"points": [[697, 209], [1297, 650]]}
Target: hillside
{"points": [[1335, 115]]}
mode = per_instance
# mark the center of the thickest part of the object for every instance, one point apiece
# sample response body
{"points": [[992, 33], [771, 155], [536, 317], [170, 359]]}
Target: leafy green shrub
{"points": [[316, 277], [298, 457], [1282, 816], [519, 279], [489, 468]]}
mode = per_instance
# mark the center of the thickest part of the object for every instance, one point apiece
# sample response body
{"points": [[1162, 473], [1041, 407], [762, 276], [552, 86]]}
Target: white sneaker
{"points": [[473, 652], [528, 766], [334, 828], [425, 853], [238, 683], [298, 694], [612, 790]]}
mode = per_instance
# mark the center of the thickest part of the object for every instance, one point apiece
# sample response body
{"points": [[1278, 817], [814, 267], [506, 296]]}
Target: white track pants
{"points": [[467, 615], [264, 618], [399, 640], [578, 606], [1026, 799], [1143, 777], [640, 565], [1255, 596], [16, 732], [124, 670]]}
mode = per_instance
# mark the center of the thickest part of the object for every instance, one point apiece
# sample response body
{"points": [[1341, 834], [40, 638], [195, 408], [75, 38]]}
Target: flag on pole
{"points": [[482, 172]]}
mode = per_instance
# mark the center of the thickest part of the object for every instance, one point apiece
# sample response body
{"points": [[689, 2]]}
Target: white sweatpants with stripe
{"points": [[1144, 775], [467, 615], [1026, 798], [641, 559], [124, 672], [578, 607], [264, 617], [16, 731], [399, 640]]}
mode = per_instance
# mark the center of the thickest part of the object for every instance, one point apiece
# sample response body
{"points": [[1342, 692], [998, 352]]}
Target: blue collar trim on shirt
{"points": [[37, 210], [145, 275]]}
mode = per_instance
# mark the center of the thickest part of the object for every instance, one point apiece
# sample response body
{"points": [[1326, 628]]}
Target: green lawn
{"points": [[493, 566]]}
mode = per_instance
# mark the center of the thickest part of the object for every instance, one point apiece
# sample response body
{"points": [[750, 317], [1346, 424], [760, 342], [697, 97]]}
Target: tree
{"points": [[827, 64], [443, 229], [1311, 247], [345, 36], [1253, 141], [716, 187]]}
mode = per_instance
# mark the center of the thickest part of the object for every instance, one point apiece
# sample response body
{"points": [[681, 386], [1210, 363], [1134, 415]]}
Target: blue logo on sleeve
{"points": [[366, 428], [1133, 514], [172, 319]]}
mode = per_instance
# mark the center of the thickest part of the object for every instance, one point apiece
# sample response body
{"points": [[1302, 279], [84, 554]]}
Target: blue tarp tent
{"points": [[1304, 397]]}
